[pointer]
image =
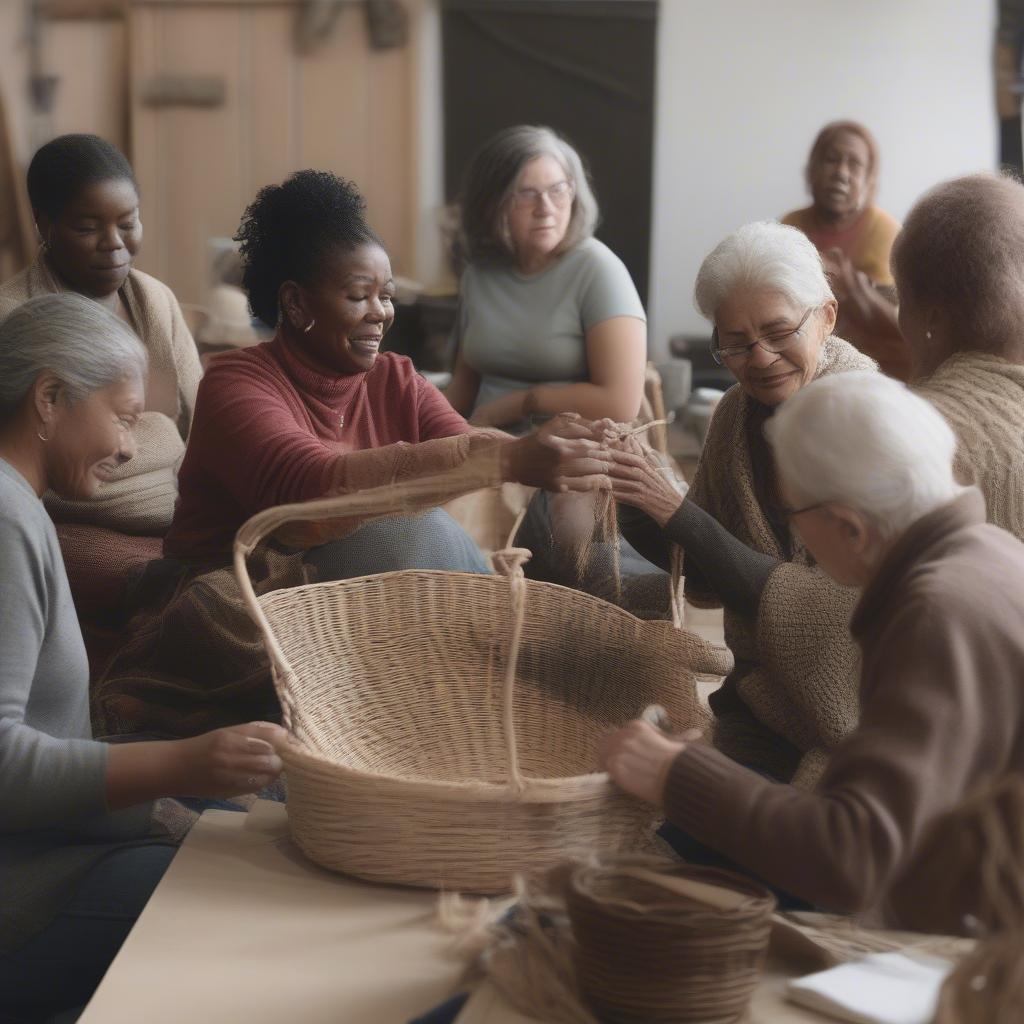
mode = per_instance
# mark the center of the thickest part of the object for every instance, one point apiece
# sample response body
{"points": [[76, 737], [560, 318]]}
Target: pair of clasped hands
{"points": [[570, 453], [600, 455]]}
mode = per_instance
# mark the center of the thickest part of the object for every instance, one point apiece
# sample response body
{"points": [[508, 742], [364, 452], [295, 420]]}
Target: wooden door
{"points": [[343, 107]]}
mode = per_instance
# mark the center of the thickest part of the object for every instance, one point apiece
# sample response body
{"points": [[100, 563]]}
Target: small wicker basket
{"points": [[444, 726], [663, 942]]}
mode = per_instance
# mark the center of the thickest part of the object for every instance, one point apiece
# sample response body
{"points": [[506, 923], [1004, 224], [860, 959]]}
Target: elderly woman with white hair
{"points": [[549, 319], [80, 845], [866, 468], [792, 694]]}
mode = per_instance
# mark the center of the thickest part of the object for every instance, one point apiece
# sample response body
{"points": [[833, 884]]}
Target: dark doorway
{"points": [[582, 67]]}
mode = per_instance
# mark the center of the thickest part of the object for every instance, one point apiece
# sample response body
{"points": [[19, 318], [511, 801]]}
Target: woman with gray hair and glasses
{"points": [[549, 319], [866, 470], [80, 847], [792, 694]]}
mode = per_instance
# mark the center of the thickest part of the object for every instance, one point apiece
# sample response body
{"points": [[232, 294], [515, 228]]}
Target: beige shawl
{"points": [[982, 398], [141, 497], [797, 670]]}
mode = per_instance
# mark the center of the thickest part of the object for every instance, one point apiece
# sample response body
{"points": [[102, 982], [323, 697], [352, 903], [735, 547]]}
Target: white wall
{"points": [[744, 85]]}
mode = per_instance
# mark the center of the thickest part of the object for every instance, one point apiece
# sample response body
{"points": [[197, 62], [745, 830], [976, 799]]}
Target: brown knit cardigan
{"points": [[793, 694]]}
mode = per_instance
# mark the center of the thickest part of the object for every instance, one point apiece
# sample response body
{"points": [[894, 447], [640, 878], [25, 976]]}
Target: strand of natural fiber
{"points": [[675, 585], [511, 561], [987, 986], [654, 946], [967, 875], [527, 954], [643, 428]]}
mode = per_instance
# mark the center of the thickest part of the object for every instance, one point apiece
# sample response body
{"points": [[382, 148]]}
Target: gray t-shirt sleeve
{"points": [[45, 780], [608, 290]]}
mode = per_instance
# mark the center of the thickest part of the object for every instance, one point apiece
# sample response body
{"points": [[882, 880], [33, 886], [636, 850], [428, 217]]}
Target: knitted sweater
{"points": [[793, 694], [941, 628], [269, 430], [982, 398]]}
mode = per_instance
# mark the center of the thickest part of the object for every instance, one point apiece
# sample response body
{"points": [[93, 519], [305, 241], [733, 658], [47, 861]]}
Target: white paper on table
{"points": [[883, 988]]}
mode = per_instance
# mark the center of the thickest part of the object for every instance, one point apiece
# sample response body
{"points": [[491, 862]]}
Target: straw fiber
{"points": [[445, 725]]}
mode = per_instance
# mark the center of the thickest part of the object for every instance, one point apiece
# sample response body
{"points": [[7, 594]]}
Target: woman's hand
{"points": [[638, 757], [561, 456], [226, 762], [637, 480]]}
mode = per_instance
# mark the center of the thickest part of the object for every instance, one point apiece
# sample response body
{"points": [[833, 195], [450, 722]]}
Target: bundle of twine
{"points": [[968, 876], [658, 941]]}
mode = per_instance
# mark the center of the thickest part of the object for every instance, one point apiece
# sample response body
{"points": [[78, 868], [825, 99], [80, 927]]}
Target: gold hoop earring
{"points": [[309, 326]]}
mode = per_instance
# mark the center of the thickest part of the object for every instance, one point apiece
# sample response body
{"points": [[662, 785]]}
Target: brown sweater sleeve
{"points": [[927, 721]]}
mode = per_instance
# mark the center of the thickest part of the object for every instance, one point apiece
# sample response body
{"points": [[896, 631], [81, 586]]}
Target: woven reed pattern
{"points": [[651, 949], [404, 712]]}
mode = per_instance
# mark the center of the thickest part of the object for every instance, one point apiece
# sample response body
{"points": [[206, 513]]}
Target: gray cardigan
{"points": [[54, 825]]}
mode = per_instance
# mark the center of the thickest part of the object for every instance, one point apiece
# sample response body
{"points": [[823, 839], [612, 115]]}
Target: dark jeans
{"points": [[58, 970], [433, 540]]}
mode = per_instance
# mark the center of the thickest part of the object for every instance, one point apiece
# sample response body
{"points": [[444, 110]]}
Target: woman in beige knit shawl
{"points": [[792, 694], [86, 204], [959, 269]]}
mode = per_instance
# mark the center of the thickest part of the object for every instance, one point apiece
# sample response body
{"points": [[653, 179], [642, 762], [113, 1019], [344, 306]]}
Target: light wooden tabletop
{"points": [[244, 929]]}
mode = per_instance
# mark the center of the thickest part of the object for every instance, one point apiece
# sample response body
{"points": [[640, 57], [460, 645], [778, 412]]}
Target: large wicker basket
{"points": [[416, 756]]}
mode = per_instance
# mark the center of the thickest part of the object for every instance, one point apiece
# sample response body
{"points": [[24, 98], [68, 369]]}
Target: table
{"points": [[243, 928]]}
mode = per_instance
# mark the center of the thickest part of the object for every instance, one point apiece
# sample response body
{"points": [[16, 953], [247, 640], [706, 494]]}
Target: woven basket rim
{"points": [[489, 578], [563, 789]]}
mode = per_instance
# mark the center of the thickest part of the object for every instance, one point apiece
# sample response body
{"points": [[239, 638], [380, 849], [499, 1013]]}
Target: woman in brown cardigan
{"points": [[867, 470]]}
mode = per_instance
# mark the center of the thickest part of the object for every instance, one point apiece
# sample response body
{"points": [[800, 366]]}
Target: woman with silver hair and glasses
{"points": [[81, 849], [866, 472], [792, 694], [549, 319]]}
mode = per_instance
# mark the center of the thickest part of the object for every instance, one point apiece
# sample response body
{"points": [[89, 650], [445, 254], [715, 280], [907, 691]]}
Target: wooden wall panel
{"points": [[89, 58], [344, 108]]}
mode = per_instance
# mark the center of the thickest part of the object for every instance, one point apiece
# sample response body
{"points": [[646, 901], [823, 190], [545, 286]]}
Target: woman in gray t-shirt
{"points": [[549, 319]]}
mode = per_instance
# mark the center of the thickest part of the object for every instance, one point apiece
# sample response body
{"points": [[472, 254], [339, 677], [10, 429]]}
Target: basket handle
{"points": [[409, 496], [509, 561]]}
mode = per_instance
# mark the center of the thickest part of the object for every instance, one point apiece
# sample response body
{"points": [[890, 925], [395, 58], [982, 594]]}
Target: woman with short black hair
{"points": [[85, 200], [319, 410]]}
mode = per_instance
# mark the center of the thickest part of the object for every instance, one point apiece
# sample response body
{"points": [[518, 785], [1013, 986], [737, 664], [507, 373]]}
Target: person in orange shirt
{"points": [[854, 238]]}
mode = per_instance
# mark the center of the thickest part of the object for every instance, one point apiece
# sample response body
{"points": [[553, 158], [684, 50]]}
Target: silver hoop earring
{"points": [[928, 335], [41, 437], [309, 326]]}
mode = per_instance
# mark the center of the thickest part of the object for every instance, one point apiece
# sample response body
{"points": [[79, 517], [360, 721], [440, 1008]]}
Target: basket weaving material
{"points": [[417, 756], [660, 942]]}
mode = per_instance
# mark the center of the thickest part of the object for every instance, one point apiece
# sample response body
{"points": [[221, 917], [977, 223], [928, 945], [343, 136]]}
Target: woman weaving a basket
{"points": [[318, 410], [792, 695], [82, 846], [867, 470]]}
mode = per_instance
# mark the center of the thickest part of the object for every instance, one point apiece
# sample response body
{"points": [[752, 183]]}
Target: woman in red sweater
{"points": [[320, 409], [317, 410]]}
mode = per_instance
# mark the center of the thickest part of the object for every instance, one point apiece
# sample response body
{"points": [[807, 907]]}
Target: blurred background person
{"points": [[549, 319], [855, 239]]}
